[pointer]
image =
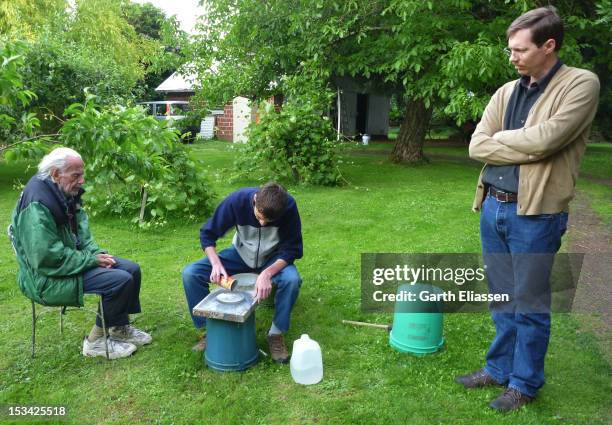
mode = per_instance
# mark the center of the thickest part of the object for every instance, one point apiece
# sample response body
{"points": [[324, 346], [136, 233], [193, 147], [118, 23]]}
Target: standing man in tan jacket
{"points": [[531, 138]]}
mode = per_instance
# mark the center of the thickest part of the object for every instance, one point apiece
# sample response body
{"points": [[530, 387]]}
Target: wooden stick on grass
{"points": [[371, 325]]}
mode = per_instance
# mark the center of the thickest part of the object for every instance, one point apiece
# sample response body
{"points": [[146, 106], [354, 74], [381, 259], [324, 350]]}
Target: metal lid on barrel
{"points": [[223, 304]]}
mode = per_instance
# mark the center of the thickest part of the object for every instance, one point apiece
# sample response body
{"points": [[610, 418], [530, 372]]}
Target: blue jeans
{"points": [[518, 252], [120, 290], [196, 277]]}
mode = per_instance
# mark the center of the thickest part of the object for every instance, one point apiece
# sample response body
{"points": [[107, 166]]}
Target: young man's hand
{"points": [[263, 286], [218, 271], [217, 266]]}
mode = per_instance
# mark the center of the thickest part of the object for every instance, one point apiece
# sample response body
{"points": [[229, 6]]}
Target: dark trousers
{"points": [[120, 290]]}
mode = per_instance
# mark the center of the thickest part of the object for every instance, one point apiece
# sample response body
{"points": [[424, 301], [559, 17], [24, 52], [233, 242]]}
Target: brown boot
{"points": [[201, 345], [278, 351], [511, 399], [478, 379]]}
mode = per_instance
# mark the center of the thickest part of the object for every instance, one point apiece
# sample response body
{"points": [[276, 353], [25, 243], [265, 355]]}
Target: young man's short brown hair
{"points": [[271, 200], [544, 23]]}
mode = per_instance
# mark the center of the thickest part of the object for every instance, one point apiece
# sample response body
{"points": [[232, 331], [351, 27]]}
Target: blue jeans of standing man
{"points": [[196, 278], [518, 252]]}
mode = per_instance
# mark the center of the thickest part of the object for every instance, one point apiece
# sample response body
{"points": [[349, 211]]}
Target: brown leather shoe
{"points": [[278, 351], [510, 400], [477, 379], [201, 345]]}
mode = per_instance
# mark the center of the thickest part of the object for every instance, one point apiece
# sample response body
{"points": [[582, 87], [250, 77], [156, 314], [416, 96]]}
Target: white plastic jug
{"points": [[306, 361]]}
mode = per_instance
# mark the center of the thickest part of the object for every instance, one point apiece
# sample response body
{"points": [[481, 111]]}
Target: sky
{"points": [[186, 11]]}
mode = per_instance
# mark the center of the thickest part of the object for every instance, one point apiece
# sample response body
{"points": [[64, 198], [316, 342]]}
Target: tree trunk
{"points": [[409, 144], [296, 174], [143, 204]]}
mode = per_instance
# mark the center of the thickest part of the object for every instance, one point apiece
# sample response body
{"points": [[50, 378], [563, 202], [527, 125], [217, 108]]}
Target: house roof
{"points": [[177, 83]]}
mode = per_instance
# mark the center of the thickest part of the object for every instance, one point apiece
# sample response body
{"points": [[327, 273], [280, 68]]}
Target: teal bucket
{"points": [[230, 346], [417, 325]]}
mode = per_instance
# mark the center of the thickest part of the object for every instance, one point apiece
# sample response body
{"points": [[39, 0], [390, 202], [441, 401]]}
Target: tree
{"points": [[16, 122], [136, 164], [445, 54], [595, 36], [172, 43], [82, 44], [146, 19], [58, 71], [23, 18]]}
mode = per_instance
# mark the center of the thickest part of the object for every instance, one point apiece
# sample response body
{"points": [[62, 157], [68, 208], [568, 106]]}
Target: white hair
{"points": [[56, 159]]}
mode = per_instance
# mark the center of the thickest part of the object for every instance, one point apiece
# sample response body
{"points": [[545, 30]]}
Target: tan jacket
{"points": [[550, 146]]}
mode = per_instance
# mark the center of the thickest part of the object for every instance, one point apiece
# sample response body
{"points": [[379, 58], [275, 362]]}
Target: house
{"points": [[364, 108], [177, 87], [359, 108], [229, 123]]}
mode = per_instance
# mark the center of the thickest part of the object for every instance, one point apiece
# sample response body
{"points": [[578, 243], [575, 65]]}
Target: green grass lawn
{"points": [[385, 208], [598, 160], [439, 132]]}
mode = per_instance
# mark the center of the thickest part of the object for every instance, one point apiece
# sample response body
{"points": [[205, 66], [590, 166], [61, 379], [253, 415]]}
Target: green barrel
{"points": [[417, 325], [230, 346]]}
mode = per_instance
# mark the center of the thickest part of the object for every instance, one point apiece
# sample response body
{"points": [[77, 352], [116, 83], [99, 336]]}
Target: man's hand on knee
{"points": [[105, 260], [263, 286]]}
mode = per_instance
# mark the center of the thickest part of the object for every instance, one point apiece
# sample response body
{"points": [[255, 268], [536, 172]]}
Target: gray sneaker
{"points": [[129, 333], [116, 349]]}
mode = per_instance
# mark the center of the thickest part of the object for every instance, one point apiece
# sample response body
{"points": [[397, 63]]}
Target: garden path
{"points": [[588, 234]]}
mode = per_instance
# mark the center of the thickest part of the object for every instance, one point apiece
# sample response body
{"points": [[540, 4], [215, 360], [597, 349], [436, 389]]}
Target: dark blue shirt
{"points": [[524, 96], [281, 238]]}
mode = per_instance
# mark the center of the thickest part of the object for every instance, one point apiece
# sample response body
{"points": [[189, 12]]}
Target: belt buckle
{"points": [[499, 195]]}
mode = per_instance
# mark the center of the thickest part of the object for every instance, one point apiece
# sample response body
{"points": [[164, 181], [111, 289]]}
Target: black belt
{"points": [[502, 196]]}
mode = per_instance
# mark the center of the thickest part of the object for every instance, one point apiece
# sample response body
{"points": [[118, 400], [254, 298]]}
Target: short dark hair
{"points": [[271, 200], [544, 23]]}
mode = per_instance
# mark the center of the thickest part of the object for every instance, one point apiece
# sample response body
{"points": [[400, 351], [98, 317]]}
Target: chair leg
{"points": [[104, 327], [62, 311], [33, 329]]}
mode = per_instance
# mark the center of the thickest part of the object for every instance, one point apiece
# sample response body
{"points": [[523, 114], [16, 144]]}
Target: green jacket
{"points": [[51, 266]]}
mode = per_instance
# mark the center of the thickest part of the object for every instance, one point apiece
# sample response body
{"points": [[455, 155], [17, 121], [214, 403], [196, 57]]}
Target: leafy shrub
{"points": [[135, 165], [58, 71], [16, 122], [189, 126], [295, 142]]}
